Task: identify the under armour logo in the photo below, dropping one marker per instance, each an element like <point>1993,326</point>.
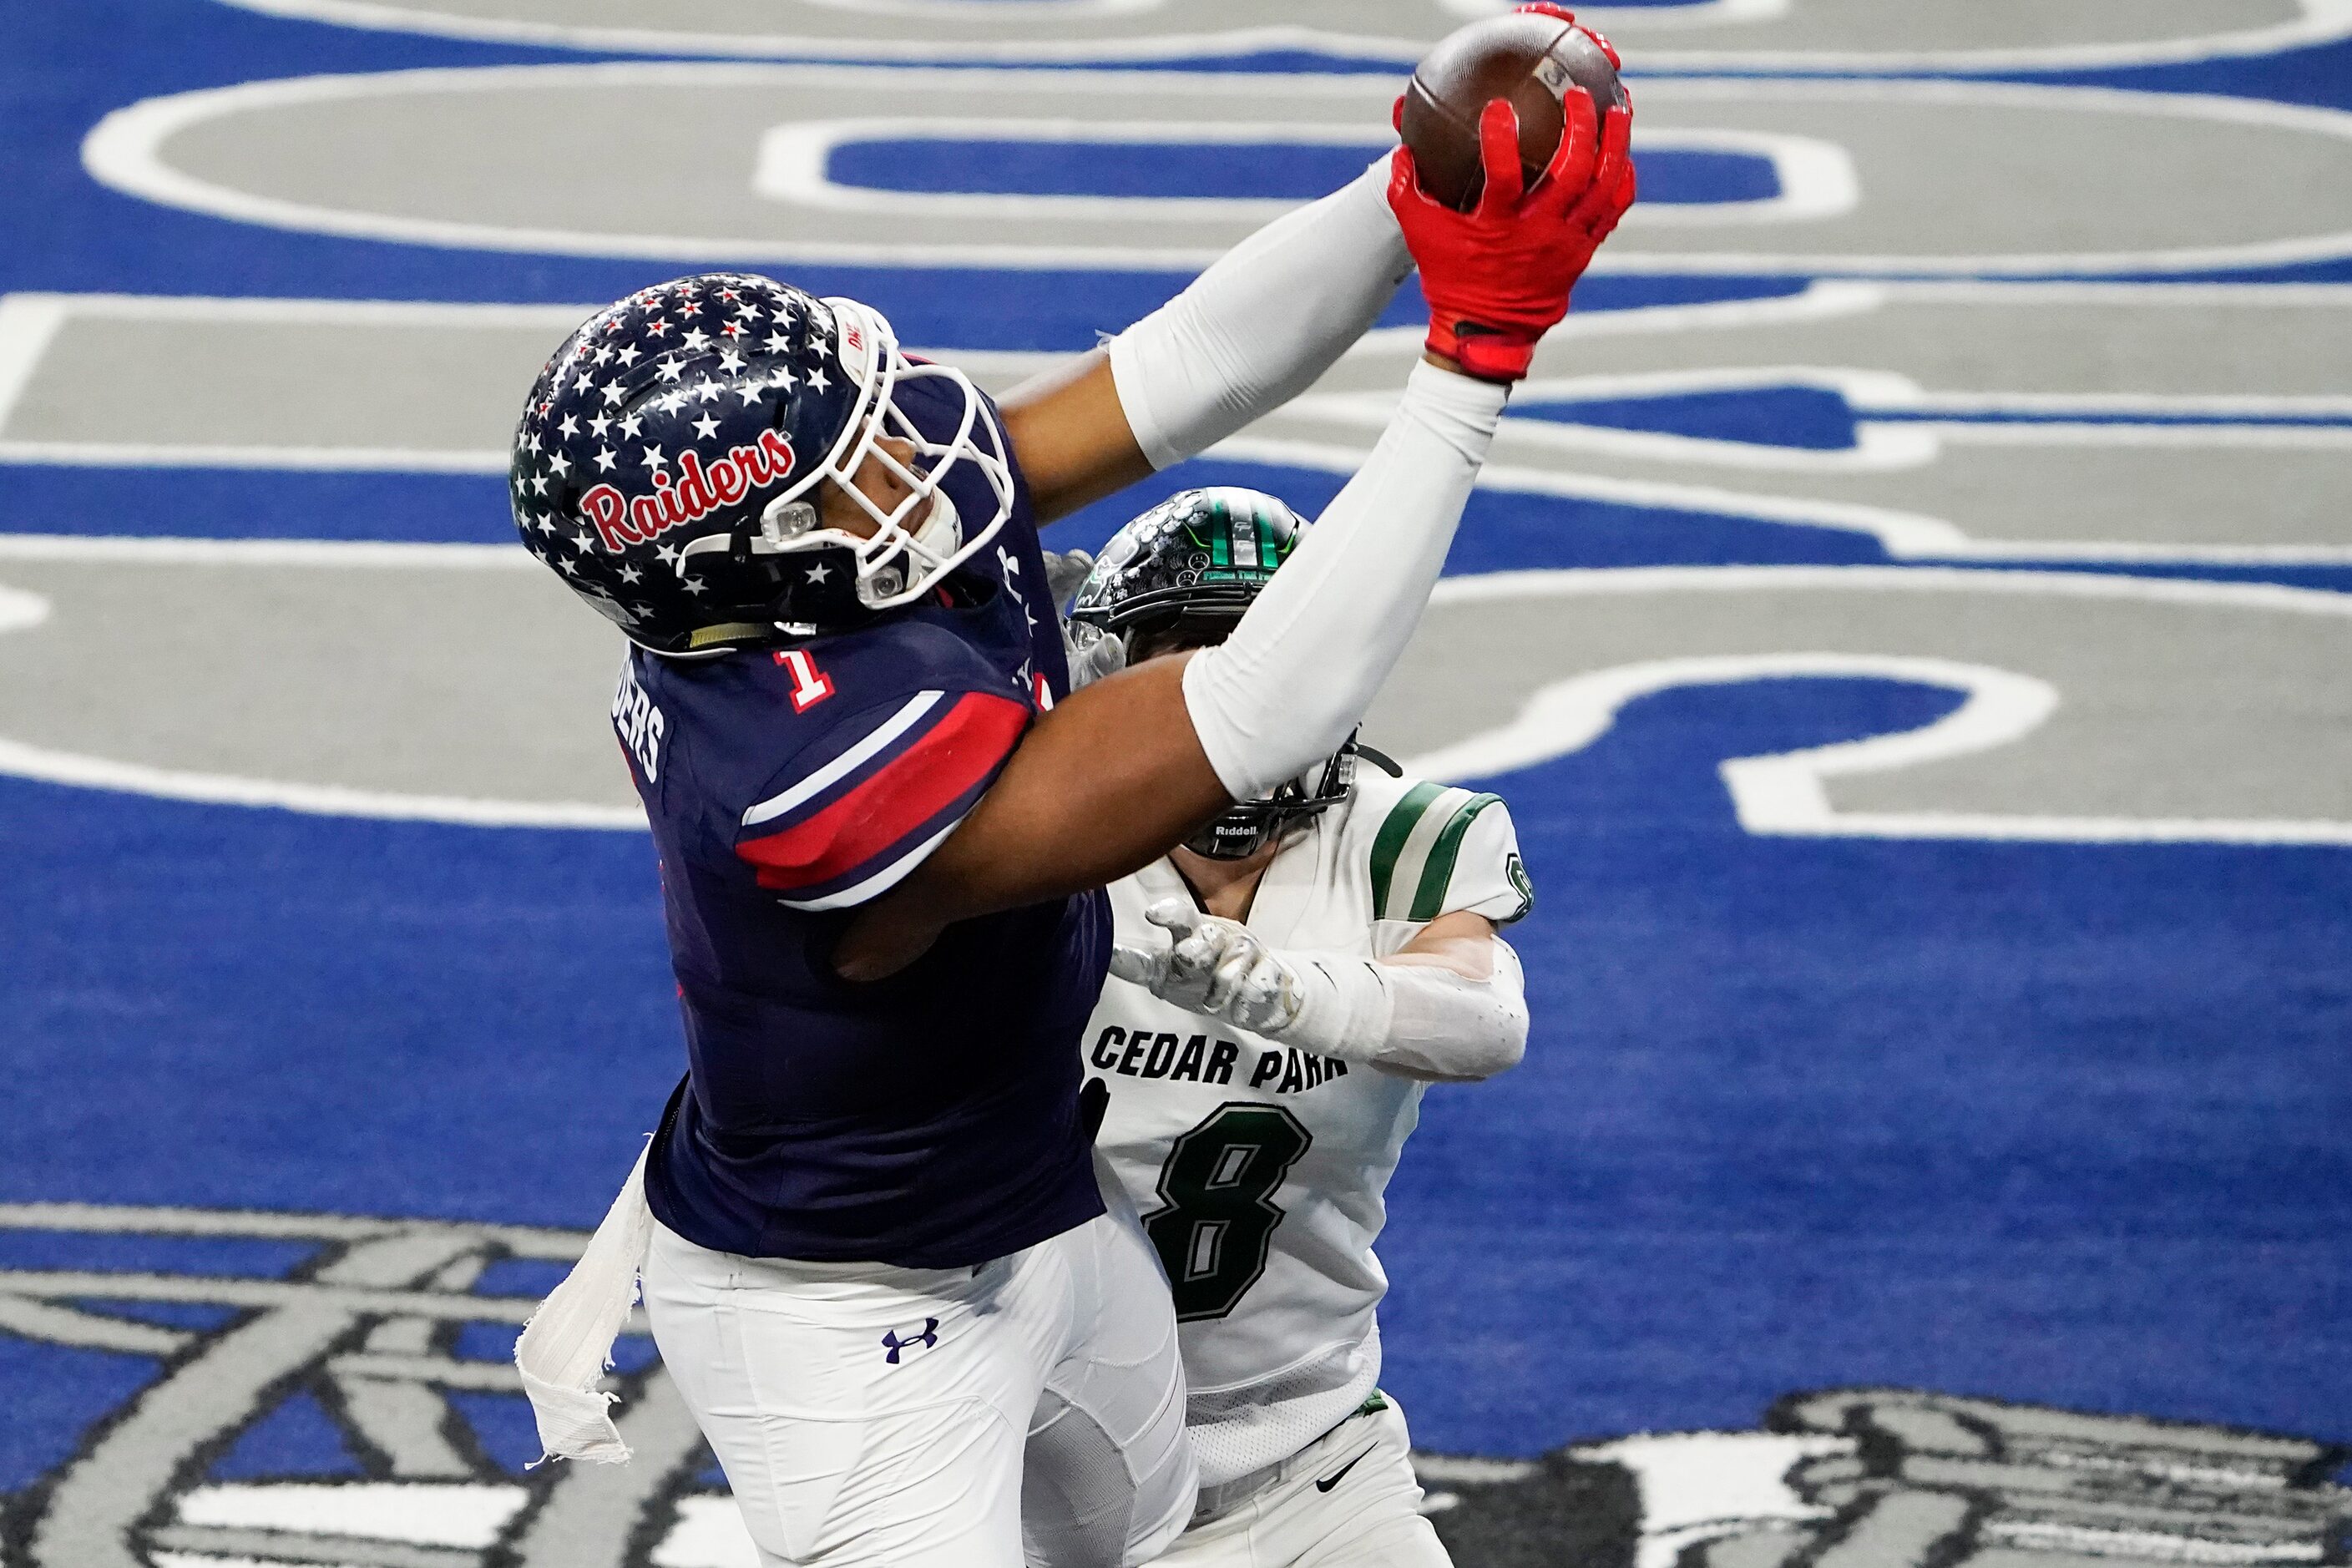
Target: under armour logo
<point>894,1344</point>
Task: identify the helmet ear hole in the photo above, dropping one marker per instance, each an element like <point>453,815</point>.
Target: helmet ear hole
<point>781,521</point>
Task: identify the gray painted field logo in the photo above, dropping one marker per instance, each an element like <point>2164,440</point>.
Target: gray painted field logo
<point>1898,1479</point>
<point>379,1323</point>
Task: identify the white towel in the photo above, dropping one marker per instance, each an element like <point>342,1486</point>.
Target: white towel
<point>567,1347</point>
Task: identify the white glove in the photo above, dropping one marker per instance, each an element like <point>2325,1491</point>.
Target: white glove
<point>1066,570</point>
<point>1092,652</point>
<point>1422,1020</point>
<point>1214,966</point>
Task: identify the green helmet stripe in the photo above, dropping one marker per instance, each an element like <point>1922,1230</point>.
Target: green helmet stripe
<point>1221,536</point>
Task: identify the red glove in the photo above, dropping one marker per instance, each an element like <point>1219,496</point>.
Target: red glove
<point>1497,279</point>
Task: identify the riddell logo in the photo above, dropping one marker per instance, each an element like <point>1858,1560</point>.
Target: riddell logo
<point>695,493</point>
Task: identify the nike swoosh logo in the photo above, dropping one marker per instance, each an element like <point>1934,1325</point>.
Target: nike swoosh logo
<point>1335,1476</point>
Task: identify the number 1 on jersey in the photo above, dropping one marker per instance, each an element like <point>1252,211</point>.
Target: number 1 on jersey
<point>811,685</point>
<point>1216,1226</point>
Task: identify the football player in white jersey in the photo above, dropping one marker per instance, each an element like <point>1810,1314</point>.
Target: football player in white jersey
<point>1284,986</point>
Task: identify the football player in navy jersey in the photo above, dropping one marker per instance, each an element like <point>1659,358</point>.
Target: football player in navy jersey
<point>876,1254</point>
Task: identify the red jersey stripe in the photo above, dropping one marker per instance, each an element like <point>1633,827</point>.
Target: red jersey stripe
<point>968,743</point>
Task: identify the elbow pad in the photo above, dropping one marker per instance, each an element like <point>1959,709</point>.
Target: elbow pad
<point>1424,1019</point>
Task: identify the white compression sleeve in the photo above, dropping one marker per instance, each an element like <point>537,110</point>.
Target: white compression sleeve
<point>1432,1021</point>
<point>1297,673</point>
<point>1256,328</point>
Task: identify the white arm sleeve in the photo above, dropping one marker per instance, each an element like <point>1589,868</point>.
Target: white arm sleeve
<point>1428,1020</point>
<point>1297,673</point>
<point>1257,328</point>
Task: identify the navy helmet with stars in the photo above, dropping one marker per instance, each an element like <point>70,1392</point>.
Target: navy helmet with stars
<point>667,461</point>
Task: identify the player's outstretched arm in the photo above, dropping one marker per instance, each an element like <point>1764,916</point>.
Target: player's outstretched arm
<point>1450,1006</point>
<point>1248,335</point>
<point>1112,778</point>
<point>1123,770</point>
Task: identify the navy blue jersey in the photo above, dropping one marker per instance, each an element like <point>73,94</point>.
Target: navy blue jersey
<point>932,1119</point>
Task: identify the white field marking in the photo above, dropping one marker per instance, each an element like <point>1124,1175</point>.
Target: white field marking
<point>1816,178</point>
<point>421,1513</point>
<point>64,1325</point>
<point>103,773</point>
<point>1697,1486</point>
<point>1059,11</point>
<point>125,151</point>
<point>1833,299</point>
<point>2321,21</point>
<point>1900,534</point>
<point>333,459</point>
<point>1566,716</point>
<point>238,1290</point>
<point>710,1533</point>
<point>529,1241</point>
<point>1613,19</point>
<point>793,159</point>
<point>1541,582</point>
<point>1877,447</point>
<point>2088,1540</point>
<point>315,800</point>
<point>2212,108</point>
<point>2061,433</point>
<point>1470,1470</point>
<point>1905,535</point>
<point>1868,390</point>
<point>1782,795</point>
<point>1823,300</point>
<point>339,553</point>
<point>1869,393</point>
<point>28,325</point>
<point>21,351</point>
<point>20,611</point>
<point>557,318</point>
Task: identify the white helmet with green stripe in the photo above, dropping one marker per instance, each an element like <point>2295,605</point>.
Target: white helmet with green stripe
<point>1182,575</point>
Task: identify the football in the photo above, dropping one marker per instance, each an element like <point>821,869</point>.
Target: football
<point>1530,57</point>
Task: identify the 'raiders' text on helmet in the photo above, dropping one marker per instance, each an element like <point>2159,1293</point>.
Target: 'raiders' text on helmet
<point>668,460</point>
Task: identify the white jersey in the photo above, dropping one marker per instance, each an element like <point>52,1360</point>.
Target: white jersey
<point>1261,1171</point>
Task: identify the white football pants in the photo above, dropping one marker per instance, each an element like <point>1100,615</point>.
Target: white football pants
<point>871,1416</point>
<point>1349,1499</point>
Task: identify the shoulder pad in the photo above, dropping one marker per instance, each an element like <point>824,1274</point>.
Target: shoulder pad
<point>1417,847</point>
